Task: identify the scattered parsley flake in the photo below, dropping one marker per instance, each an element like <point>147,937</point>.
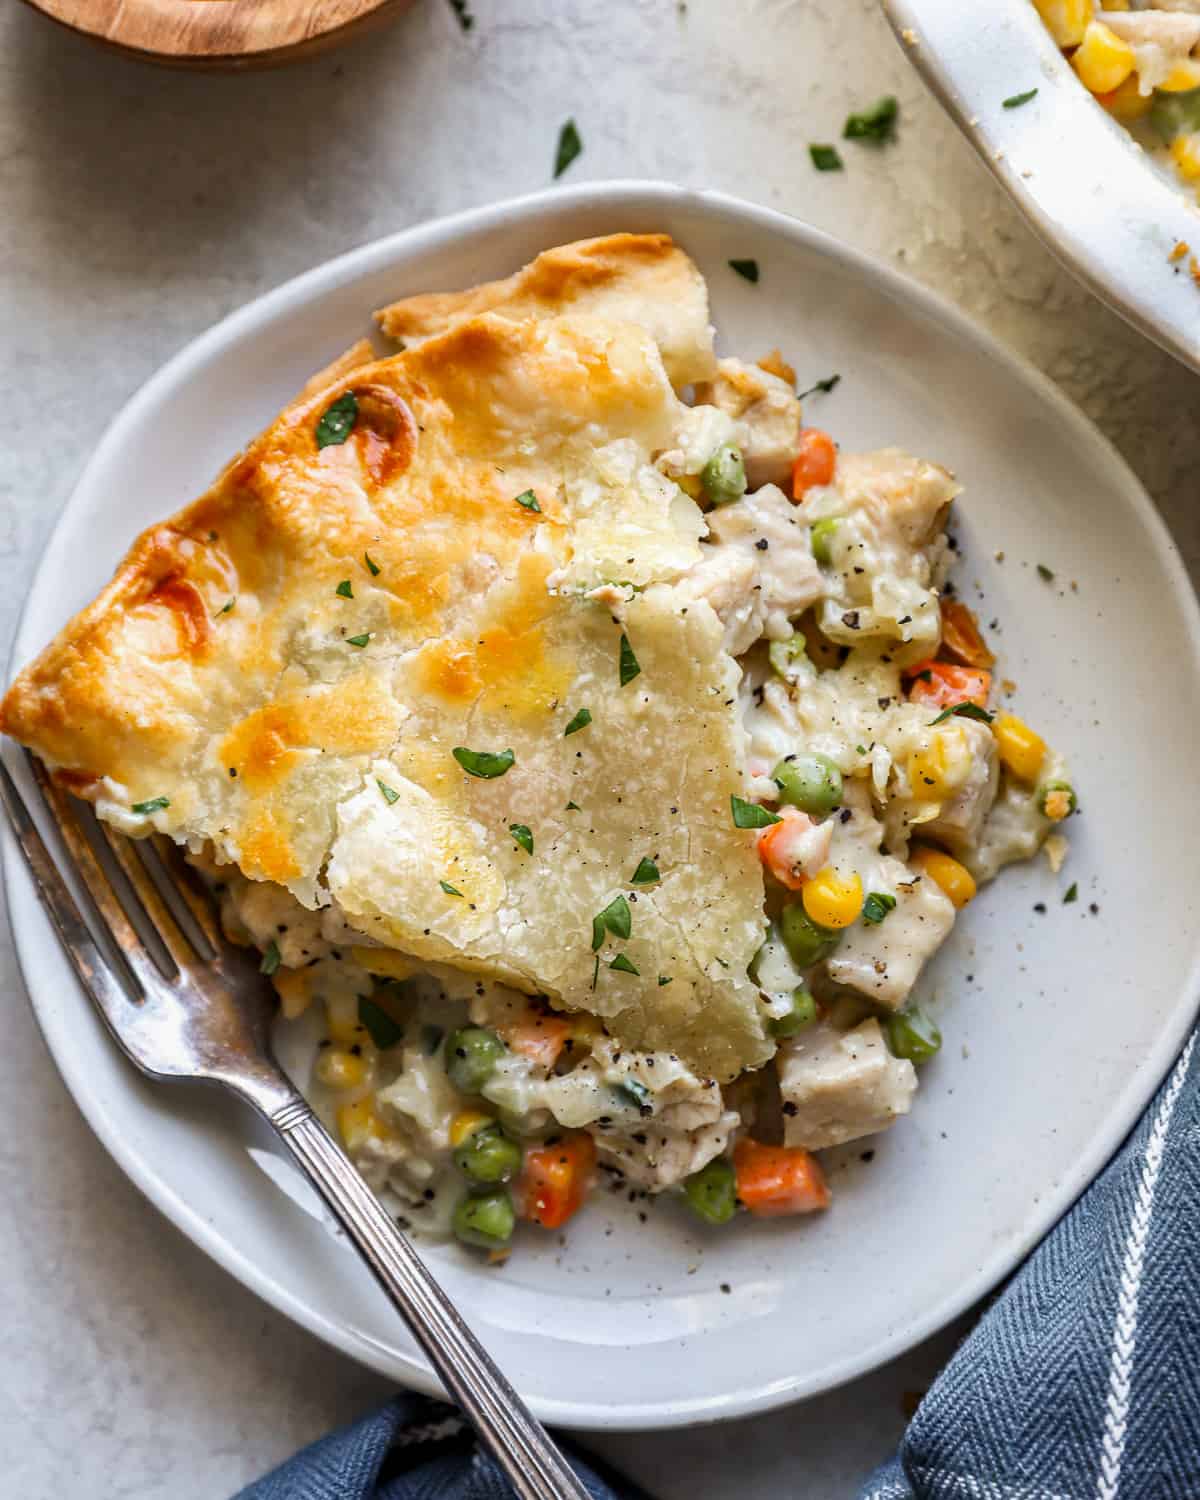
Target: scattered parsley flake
<point>964,711</point>
<point>746,269</point>
<point>635,1091</point>
<point>861,749</point>
<point>464,17</point>
<point>522,835</point>
<point>390,794</point>
<point>227,606</point>
<point>876,907</point>
<point>337,421</point>
<point>629,667</point>
<point>358,640</point>
<point>595,971</point>
<point>925,676</point>
<point>270,959</point>
<point>155,804</point>
<point>825,158</point>
<point>645,874</point>
<point>822,386</point>
<point>876,124</point>
<point>1015,101</point>
<point>569,147</point>
<point>581,721</point>
<point>624,966</point>
<point>1045,573</point>
<point>343,590</point>
<point>486,764</point>
<point>527,500</point>
<point>572,807</point>
<point>663,979</point>
<point>615,918</point>
<point>381,1028</point>
<point>1072,894</point>
<point>450,890</point>
<point>372,565</point>
<point>750,815</point>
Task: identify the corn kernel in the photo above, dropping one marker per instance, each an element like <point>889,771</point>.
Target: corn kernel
<point>940,765</point>
<point>294,989</point>
<point>1185,153</point>
<point>1127,102</point>
<point>1021,750</point>
<point>832,900</point>
<point>466,1124</point>
<point>358,1122</point>
<point>342,1018</point>
<point>338,1069</point>
<point>1103,61</point>
<point>1184,75</point>
<point>1066,20</point>
<point>384,962</point>
<point>954,879</point>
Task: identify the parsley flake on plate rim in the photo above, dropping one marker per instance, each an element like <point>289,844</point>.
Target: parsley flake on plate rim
<point>570,146</point>
<point>746,269</point>
<point>826,158</point>
<point>1015,101</point>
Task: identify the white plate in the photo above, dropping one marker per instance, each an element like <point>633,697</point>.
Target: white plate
<point>1057,1027</point>
<point>1099,203</point>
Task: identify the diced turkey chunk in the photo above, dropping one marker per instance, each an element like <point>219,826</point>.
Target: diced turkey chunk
<point>882,960</point>
<point>657,1156</point>
<point>766,418</point>
<point>961,819</point>
<point>756,589</point>
<point>838,1086</point>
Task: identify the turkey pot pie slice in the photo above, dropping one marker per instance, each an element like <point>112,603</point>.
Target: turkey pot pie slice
<point>420,560</point>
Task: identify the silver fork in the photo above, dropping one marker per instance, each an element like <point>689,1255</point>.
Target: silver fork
<point>188,1013</point>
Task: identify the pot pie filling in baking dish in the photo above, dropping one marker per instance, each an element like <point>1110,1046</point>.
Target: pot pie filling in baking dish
<point>595,754</point>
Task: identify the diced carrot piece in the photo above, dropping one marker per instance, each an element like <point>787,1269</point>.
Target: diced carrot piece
<point>777,1180</point>
<point>539,1038</point>
<point>948,685</point>
<point>961,636</point>
<point>814,463</point>
<point>556,1179</point>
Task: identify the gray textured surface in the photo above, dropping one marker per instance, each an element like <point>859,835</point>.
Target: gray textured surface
<point>135,208</point>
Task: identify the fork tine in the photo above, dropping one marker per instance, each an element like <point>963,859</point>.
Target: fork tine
<point>99,888</point>
<point>95,973</point>
<point>174,939</point>
<point>190,890</point>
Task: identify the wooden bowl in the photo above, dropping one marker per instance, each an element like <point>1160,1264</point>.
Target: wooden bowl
<point>227,34</point>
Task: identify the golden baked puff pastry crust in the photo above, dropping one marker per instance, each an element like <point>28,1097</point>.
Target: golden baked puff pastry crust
<point>291,661</point>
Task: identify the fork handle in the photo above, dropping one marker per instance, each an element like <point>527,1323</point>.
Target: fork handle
<point>519,1443</point>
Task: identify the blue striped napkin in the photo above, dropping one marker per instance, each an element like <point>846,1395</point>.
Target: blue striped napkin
<point>1081,1382</point>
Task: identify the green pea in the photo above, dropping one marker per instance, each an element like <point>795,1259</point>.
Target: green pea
<point>486,1220</point>
<point>1048,789</point>
<point>912,1034</point>
<point>724,475</point>
<point>487,1155</point>
<point>810,782</point>
<point>805,941</point>
<point>803,1013</point>
<point>785,656</point>
<point>820,536</point>
<point>471,1057</point>
<point>712,1192</point>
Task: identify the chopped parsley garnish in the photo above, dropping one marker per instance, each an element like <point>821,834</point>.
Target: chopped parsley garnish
<point>1072,894</point>
<point>581,721</point>
<point>925,676</point>
<point>1045,573</point>
<point>155,804</point>
<point>629,667</point>
<point>877,124</point>
<point>343,590</point>
<point>615,918</point>
<point>663,979</point>
<point>964,711</point>
<point>572,807</point>
<point>485,764</point>
<point>823,386</point>
<point>750,815</point>
<point>635,1091</point>
<point>746,269</point>
<point>876,907</point>
<point>270,959</point>
<point>527,500</point>
<point>381,1028</point>
<point>390,794</point>
<point>450,890</point>
<point>645,874</point>
<point>338,421</point>
<point>623,965</point>
<point>569,147</point>
<point>596,971</point>
<point>861,749</point>
<point>465,19</point>
<point>358,640</point>
<point>1015,101</point>
<point>227,606</point>
<point>522,835</point>
<point>372,565</point>
<point>825,158</point>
